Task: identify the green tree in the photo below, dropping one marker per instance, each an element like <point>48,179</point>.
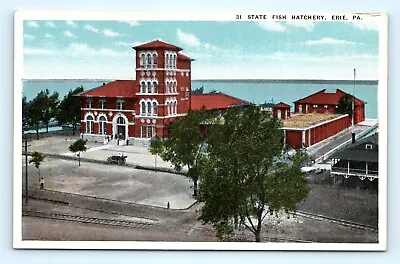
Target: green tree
<point>184,144</point>
<point>70,108</point>
<point>345,106</point>
<point>37,159</point>
<point>50,108</point>
<point>78,146</point>
<point>35,111</point>
<point>199,90</point>
<point>245,177</point>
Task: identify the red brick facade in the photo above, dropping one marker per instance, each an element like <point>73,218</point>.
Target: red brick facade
<point>323,102</point>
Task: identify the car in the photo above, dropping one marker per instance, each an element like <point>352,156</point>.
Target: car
<point>319,170</point>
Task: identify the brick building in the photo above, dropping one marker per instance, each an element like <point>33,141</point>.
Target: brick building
<point>139,109</point>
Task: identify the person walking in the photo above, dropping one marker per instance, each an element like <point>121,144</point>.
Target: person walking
<point>41,183</point>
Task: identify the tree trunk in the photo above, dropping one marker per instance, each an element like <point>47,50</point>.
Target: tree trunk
<point>47,127</point>
<point>257,235</point>
<point>37,131</point>
<point>73,129</point>
<point>194,187</point>
<point>79,158</point>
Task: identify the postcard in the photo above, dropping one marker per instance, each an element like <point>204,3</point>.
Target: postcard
<point>200,131</point>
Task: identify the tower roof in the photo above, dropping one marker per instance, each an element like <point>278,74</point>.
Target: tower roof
<point>157,44</point>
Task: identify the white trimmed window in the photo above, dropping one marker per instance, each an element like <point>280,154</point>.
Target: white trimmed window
<point>143,109</point>
<point>155,88</point>
<point>155,59</point>
<point>102,103</point>
<point>143,87</point>
<point>148,87</point>
<point>120,104</point>
<point>148,59</point>
<point>89,124</point>
<point>89,103</point>
<point>148,108</point>
<point>155,107</point>
<point>102,125</point>
<point>142,59</point>
<point>147,131</point>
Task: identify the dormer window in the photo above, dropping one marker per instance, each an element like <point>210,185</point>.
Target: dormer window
<point>368,146</point>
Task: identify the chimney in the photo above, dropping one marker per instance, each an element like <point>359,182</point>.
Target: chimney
<point>353,138</point>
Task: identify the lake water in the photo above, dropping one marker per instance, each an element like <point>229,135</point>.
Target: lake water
<point>256,91</point>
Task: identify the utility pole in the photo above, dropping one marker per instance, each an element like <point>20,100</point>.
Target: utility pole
<point>26,168</point>
<point>352,99</point>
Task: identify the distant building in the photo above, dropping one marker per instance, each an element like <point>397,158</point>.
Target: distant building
<point>268,107</point>
<point>281,111</point>
<point>324,102</point>
<point>140,109</point>
<point>360,159</point>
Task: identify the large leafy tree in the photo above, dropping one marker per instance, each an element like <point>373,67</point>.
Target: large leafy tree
<point>245,176</point>
<point>69,108</point>
<point>78,146</point>
<point>35,111</point>
<point>37,158</point>
<point>50,108</point>
<point>344,105</point>
<point>184,144</point>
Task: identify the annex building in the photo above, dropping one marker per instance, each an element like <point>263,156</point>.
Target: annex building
<point>132,110</point>
<point>314,118</point>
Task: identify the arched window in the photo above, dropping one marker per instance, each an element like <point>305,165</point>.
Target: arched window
<point>155,88</point>
<point>174,62</point>
<point>175,87</point>
<point>148,108</point>
<point>89,125</point>
<point>143,108</point>
<point>143,87</point>
<point>148,87</point>
<point>120,121</point>
<point>176,108</point>
<point>155,59</point>
<point>154,108</point>
<point>170,109</point>
<point>170,60</point>
<point>148,59</point>
<point>142,59</point>
<point>166,60</point>
<point>102,125</point>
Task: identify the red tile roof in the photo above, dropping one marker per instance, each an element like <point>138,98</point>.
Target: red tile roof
<point>281,105</point>
<point>215,101</point>
<point>184,57</point>
<point>156,44</point>
<point>322,97</point>
<point>123,88</point>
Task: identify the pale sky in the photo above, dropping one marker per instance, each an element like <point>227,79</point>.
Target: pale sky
<point>66,49</point>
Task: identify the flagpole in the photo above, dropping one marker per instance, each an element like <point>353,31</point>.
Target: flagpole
<point>352,100</point>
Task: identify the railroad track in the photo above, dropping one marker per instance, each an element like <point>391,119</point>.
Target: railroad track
<point>88,220</point>
<point>336,221</point>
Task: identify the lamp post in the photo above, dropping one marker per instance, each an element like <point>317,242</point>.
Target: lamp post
<point>25,136</point>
